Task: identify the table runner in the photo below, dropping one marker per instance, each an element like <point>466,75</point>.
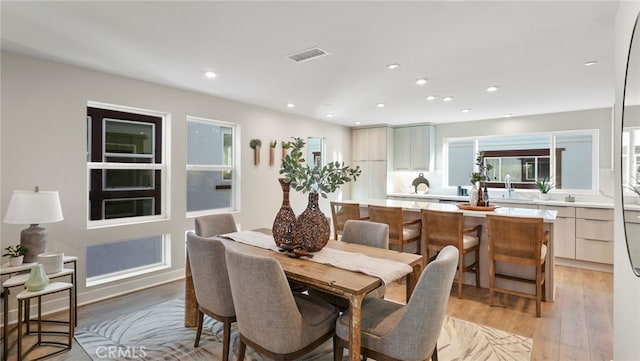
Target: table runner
<point>385,269</point>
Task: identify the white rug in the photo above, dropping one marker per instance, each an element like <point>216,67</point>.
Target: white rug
<point>158,333</point>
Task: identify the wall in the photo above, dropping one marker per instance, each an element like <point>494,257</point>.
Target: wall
<point>43,142</point>
<point>626,286</point>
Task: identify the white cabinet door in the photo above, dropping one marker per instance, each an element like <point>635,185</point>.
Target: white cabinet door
<point>360,144</point>
<point>402,148</point>
<point>360,188</point>
<point>378,179</point>
<point>564,237</point>
<point>420,144</point>
<point>378,143</point>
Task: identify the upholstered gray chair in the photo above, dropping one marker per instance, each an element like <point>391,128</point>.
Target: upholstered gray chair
<point>272,320</point>
<point>211,284</point>
<point>361,232</point>
<point>391,331</point>
<point>215,224</point>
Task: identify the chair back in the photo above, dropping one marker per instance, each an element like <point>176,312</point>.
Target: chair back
<point>515,239</point>
<point>416,334</point>
<point>341,213</point>
<point>442,228</point>
<point>209,273</point>
<point>266,309</point>
<point>366,233</point>
<point>215,224</point>
<point>391,216</point>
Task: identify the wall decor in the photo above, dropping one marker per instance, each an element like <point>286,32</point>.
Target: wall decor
<point>255,144</point>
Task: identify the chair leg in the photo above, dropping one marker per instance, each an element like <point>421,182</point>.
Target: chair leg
<point>477,267</point>
<point>460,274</point>
<point>199,329</point>
<point>538,294</point>
<point>226,340</point>
<point>434,355</point>
<point>241,349</point>
<point>338,350</point>
<point>492,280</point>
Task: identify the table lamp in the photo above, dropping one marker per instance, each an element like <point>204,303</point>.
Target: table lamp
<point>34,207</point>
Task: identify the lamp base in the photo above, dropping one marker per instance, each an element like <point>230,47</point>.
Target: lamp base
<point>34,239</point>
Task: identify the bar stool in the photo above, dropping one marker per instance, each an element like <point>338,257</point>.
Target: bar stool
<point>401,232</point>
<point>24,298</point>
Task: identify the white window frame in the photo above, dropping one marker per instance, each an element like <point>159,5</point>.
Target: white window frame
<point>234,167</point>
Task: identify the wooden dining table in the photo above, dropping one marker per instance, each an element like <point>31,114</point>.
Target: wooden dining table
<point>350,285</point>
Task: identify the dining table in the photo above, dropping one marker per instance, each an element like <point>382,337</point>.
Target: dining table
<point>349,284</point>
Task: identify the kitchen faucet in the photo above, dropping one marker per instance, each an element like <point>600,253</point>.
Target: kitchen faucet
<point>507,185</point>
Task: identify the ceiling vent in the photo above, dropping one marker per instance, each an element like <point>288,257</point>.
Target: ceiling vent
<point>308,54</point>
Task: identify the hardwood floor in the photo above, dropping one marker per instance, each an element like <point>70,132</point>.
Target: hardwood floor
<point>577,326</point>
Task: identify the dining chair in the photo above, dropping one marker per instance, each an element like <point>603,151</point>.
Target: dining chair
<point>275,322</point>
<point>441,229</point>
<point>519,240</point>
<point>391,331</point>
<point>401,232</point>
<point>341,213</point>
<point>215,224</point>
<point>211,285</point>
<point>365,233</point>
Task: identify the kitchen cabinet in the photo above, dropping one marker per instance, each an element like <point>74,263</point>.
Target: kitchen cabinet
<point>564,231</point>
<point>594,235</point>
<point>369,151</point>
<point>372,184</point>
<point>370,143</point>
<point>413,147</point>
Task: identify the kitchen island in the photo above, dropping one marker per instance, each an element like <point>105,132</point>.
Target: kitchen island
<point>472,218</point>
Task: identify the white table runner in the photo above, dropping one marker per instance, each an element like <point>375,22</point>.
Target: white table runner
<point>385,269</point>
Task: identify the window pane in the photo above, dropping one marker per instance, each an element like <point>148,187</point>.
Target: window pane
<point>128,179</point>
<point>208,190</point>
<point>209,144</point>
<point>122,208</point>
<point>515,142</point>
<point>120,256</point>
<point>574,161</point>
<point>128,139</point>
<point>461,162</point>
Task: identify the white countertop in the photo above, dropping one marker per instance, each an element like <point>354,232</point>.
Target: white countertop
<point>550,202</point>
<point>548,215</point>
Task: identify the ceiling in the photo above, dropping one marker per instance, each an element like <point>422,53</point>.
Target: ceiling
<point>534,51</point>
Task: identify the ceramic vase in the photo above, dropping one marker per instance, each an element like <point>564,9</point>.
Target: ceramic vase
<point>312,227</point>
<point>473,196</point>
<point>544,196</point>
<point>38,279</point>
<point>285,219</point>
<point>16,261</point>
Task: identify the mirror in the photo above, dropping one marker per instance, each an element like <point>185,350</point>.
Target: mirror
<point>315,151</point>
<point>630,169</point>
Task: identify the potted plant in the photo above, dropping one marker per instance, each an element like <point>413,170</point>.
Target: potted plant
<point>16,254</point>
<point>544,186</point>
<point>272,152</point>
<point>477,178</point>
<point>255,144</point>
<point>312,230</point>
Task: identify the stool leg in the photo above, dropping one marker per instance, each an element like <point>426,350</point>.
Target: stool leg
<point>27,316</point>
<point>71,318</point>
<point>39,320</point>
<point>20,304</point>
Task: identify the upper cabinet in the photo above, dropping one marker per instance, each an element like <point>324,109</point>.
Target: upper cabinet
<point>413,147</point>
<point>369,143</point>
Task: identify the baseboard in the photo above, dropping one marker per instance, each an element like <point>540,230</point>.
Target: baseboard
<point>594,266</point>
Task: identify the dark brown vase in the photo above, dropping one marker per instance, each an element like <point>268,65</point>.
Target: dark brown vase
<point>285,219</point>
<point>312,227</point>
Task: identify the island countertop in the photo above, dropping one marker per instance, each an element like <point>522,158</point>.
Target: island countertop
<point>549,216</point>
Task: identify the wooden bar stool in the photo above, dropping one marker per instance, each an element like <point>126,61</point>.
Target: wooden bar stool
<point>441,229</point>
<point>343,212</point>
<point>24,298</point>
<point>401,232</point>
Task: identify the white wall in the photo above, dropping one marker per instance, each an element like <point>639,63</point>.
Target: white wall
<point>43,141</point>
<point>626,286</point>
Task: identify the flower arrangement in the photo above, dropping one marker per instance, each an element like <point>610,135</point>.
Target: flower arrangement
<point>481,174</point>
<point>15,250</point>
<point>321,179</point>
<point>544,185</point>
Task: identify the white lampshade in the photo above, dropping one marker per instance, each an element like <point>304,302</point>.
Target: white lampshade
<point>34,207</point>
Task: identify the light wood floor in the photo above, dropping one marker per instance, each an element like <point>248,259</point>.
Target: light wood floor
<point>577,326</point>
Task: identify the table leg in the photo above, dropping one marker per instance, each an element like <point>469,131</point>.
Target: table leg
<point>5,319</point>
<point>355,318</point>
<point>190,304</point>
<point>412,280</point>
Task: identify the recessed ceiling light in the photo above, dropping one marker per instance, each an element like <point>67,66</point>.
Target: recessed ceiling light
<point>421,81</point>
<point>492,88</point>
<point>591,62</point>
<point>507,115</point>
<point>210,74</point>
<point>290,105</point>
<point>380,105</point>
<point>447,99</point>
<point>430,97</point>
<point>465,110</point>
<point>357,123</point>
<point>393,66</point>
<point>329,115</point>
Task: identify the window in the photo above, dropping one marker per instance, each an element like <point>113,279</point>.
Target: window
<point>125,162</point>
<point>568,158</point>
<point>212,176</point>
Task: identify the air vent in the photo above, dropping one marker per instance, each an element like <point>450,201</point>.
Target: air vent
<point>308,54</point>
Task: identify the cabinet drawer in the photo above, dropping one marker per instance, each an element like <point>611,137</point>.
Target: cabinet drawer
<point>565,212</point>
<point>594,251</point>
<point>594,229</point>
<point>595,213</point>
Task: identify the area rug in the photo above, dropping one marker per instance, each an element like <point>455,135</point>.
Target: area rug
<point>158,333</point>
